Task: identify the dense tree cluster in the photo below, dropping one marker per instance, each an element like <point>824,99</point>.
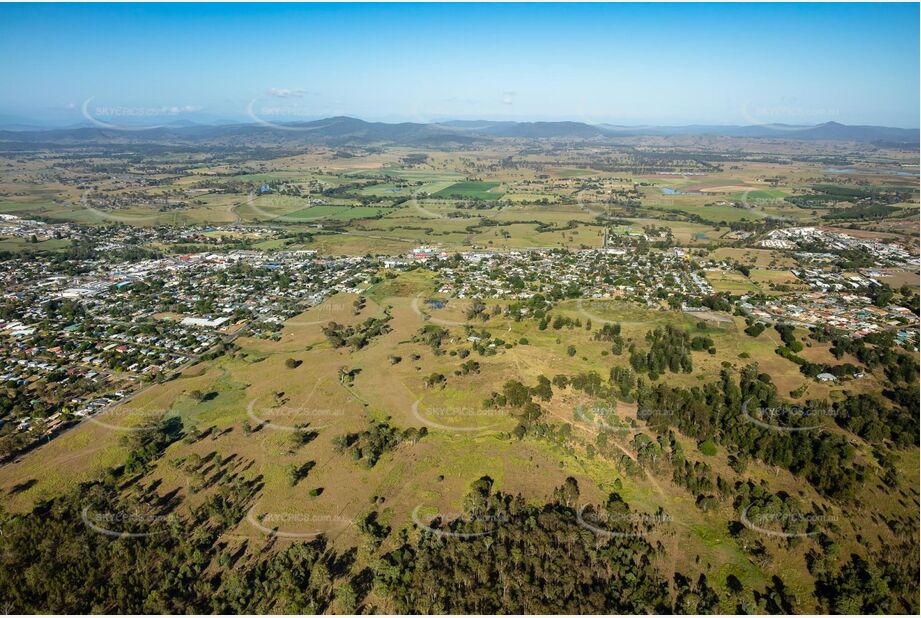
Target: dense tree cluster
<point>864,586</point>
<point>779,512</point>
<point>874,420</point>
<point>876,350</point>
<point>358,336</point>
<point>97,549</point>
<point>610,332</point>
<point>669,350</point>
<point>715,411</point>
<point>753,329</point>
<point>520,558</point>
<point>624,380</point>
<point>368,446</point>
<point>788,336</point>
<point>431,336</point>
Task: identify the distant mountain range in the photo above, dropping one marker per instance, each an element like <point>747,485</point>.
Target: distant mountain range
<point>830,131</point>
<point>343,130</point>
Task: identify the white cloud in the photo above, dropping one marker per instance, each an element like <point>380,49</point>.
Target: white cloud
<point>287,93</point>
<point>183,109</point>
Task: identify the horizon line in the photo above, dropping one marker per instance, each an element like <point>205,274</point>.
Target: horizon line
<point>187,119</point>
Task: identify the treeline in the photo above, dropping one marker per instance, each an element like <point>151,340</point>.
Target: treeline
<point>866,212</point>
<point>828,196</point>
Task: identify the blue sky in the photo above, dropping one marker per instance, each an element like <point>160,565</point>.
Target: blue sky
<point>624,63</point>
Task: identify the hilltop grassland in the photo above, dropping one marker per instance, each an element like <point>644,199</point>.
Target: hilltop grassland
<point>273,409</point>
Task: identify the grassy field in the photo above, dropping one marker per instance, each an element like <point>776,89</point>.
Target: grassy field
<point>710,212</point>
<point>765,279</point>
<point>340,213</point>
<point>15,244</point>
<point>730,281</point>
<point>755,257</point>
<point>15,208</point>
<point>471,190</point>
